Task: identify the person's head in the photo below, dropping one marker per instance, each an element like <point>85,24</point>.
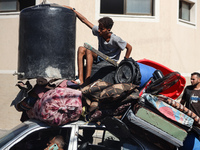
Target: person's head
<point>57,143</point>
<point>105,25</point>
<point>195,78</point>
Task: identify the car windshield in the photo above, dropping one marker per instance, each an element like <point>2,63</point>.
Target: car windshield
<point>12,133</point>
<point>94,139</point>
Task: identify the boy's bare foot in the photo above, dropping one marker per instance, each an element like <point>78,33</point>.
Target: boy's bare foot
<point>77,81</point>
<point>82,84</point>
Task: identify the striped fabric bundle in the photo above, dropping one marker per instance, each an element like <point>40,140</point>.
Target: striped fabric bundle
<point>181,108</point>
<point>168,110</point>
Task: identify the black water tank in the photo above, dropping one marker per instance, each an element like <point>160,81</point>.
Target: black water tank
<point>47,42</point>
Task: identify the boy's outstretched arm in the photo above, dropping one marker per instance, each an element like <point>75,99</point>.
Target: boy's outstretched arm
<point>81,17</point>
<point>128,50</point>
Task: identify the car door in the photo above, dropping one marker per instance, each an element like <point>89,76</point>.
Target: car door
<point>35,136</point>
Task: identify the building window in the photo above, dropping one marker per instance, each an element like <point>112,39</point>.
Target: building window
<point>15,5</point>
<point>8,5</point>
<point>184,10</point>
<point>127,7</point>
<point>187,10</point>
<point>26,3</point>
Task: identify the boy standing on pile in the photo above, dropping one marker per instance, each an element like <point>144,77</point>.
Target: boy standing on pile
<point>109,44</point>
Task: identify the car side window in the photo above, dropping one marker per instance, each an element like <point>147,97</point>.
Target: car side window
<point>39,139</point>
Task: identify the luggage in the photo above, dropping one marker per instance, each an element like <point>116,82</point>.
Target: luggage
<point>58,106</point>
<point>169,111</point>
<point>157,125</point>
<point>161,123</point>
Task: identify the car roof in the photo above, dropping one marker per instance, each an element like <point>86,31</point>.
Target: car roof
<point>34,122</point>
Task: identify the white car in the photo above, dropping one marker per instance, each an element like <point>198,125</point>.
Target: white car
<point>34,135</point>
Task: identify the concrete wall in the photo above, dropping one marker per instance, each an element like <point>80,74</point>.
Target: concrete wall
<point>8,64</point>
<point>163,39</point>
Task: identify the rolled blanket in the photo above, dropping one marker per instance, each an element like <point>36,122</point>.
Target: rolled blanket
<point>182,108</point>
<point>168,110</point>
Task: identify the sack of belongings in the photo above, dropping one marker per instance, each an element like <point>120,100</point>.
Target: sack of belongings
<point>58,106</point>
<point>104,99</point>
<point>29,92</point>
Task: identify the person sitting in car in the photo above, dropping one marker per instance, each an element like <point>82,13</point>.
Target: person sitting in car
<point>57,143</point>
